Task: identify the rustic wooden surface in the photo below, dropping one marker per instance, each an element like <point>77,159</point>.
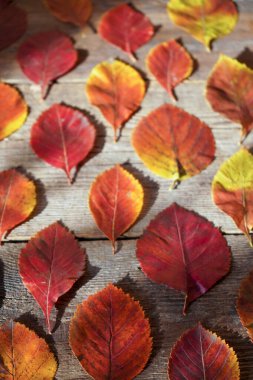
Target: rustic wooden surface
<point>58,201</point>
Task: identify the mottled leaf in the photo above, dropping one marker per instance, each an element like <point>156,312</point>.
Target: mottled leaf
<point>170,63</point>
<point>110,335</point>
<point>63,137</point>
<point>183,251</point>
<point>205,20</point>
<point>230,92</point>
<point>200,354</point>
<point>173,144</point>
<point>23,355</point>
<point>245,304</point>
<point>50,264</point>
<point>117,90</point>
<point>45,57</point>
<point>13,24</point>
<point>76,12</point>
<point>115,200</point>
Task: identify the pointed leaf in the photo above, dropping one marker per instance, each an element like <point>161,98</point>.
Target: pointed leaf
<point>13,110</point>
<point>205,20</point>
<point>23,355</point>
<point>17,200</point>
<point>245,304</point>
<point>45,57</point>
<point>232,190</point>
<point>183,251</point>
<point>50,264</point>
<point>126,28</point>
<point>115,200</point>
<point>110,335</point>
<point>76,12</point>
<point>230,92</point>
<point>173,144</point>
<point>201,354</point>
<point>13,24</point>
<point>117,90</point>
<point>170,63</point>
<point>63,137</point>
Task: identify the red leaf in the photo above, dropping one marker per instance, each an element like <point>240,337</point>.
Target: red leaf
<point>126,28</point>
<point>13,24</point>
<point>50,264</point>
<point>183,251</point>
<point>63,137</point>
<point>46,56</point>
<point>110,335</point>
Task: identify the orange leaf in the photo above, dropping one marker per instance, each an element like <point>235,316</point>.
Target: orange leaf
<point>245,304</point>
<point>13,110</point>
<point>17,199</point>
<point>117,90</point>
<point>170,63</point>
<point>110,335</point>
<point>76,12</point>
<point>173,144</point>
<point>23,355</point>
<point>115,200</point>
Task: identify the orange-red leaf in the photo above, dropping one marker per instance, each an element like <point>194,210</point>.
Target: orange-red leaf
<point>245,304</point>
<point>17,200</point>
<point>76,12</point>
<point>125,27</point>
<point>50,264</point>
<point>13,110</point>
<point>23,355</point>
<point>183,251</point>
<point>115,200</point>
<point>230,92</point>
<point>200,354</point>
<point>63,137</point>
<point>110,335</point>
<point>117,90</point>
<point>170,63</point>
<point>173,144</point>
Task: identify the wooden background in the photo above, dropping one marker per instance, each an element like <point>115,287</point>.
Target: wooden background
<point>58,201</point>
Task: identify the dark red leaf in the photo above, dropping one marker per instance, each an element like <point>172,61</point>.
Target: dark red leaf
<point>13,23</point>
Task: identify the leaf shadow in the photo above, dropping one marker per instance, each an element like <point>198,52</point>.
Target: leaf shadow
<point>246,57</point>
<point>2,288</point>
<point>83,54</point>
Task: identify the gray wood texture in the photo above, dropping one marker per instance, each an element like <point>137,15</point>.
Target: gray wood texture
<point>59,201</point>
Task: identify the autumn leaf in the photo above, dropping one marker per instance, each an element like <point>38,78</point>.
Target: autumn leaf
<point>45,57</point>
<point>17,200</point>
<point>76,12</point>
<point>117,90</point>
<point>201,354</point>
<point>170,63</point>
<point>115,200</point>
<point>230,92</point>
<point>50,264</point>
<point>13,108</point>
<point>232,190</point>
<point>173,144</point>
<point>245,304</point>
<point>23,355</point>
<point>205,20</point>
<point>126,28</point>
<point>63,137</point>
<point>110,335</point>
<point>183,251</point>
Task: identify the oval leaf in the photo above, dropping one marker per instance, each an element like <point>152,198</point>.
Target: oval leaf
<point>50,264</point>
<point>205,20</point>
<point>170,63</point>
<point>110,335</point>
<point>17,200</point>
<point>245,304</point>
<point>173,144</point>
<point>13,24</point>
<point>63,137</point>
<point>126,28</point>
<point>23,355</point>
<point>201,354</point>
<point>230,92</point>
<point>13,109</point>
<point>115,200</point>
<point>76,12</point>
<point>183,251</point>
<point>45,57</point>
<point>117,90</point>
<point>232,190</point>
